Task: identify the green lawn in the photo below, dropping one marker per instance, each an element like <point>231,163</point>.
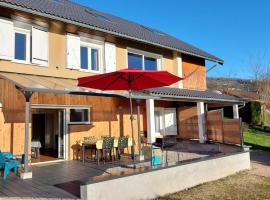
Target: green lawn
<point>257,139</point>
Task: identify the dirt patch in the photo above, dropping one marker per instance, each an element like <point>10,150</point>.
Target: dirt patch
<point>239,186</point>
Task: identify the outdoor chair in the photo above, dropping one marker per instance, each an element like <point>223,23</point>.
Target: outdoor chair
<point>122,144</point>
<point>107,146</point>
<point>7,163</point>
<point>99,146</point>
<point>89,142</point>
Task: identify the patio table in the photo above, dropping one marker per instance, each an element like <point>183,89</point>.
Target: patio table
<point>36,145</point>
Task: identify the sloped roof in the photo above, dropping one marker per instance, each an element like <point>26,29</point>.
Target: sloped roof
<point>192,94</point>
<point>77,14</point>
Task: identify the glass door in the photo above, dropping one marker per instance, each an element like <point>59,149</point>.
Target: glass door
<point>61,134</point>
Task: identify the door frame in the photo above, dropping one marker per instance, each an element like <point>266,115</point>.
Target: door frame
<point>65,125</point>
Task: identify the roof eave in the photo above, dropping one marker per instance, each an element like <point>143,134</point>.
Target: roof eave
<point>15,7</point>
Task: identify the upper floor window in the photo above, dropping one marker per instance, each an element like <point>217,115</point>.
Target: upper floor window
<point>143,60</point>
<point>22,45</point>
<point>90,57</point>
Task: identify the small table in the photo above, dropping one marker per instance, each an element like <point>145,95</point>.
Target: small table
<point>36,144</point>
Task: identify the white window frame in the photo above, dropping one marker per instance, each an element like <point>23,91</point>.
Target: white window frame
<point>146,54</point>
<point>82,108</point>
<point>100,56</point>
<point>28,43</point>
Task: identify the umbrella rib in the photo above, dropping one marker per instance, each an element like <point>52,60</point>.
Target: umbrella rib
<point>120,76</point>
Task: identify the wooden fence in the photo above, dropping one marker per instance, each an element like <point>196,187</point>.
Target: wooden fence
<point>223,130</point>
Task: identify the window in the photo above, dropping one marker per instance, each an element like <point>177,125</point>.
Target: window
<point>79,115</point>
<point>90,58</point>
<point>150,63</point>
<point>22,45</point>
<point>165,121</point>
<point>135,61</point>
<point>84,58</point>
<point>94,60</point>
<point>143,60</point>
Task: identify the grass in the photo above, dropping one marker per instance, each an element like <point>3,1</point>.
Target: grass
<point>257,139</point>
<point>239,186</point>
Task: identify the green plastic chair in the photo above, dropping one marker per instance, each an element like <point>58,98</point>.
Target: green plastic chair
<point>107,146</point>
<point>122,144</point>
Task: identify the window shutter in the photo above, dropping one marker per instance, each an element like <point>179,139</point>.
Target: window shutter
<point>73,51</point>
<point>6,39</point>
<point>110,57</point>
<point>39,46</point>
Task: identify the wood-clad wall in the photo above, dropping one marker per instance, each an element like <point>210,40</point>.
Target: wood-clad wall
<point>187,122</point>
<point>223,130</point>
<point>110,116</point>
<point>195,67</point>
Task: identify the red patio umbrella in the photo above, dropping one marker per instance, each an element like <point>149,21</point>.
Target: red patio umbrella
<point>129,79</point>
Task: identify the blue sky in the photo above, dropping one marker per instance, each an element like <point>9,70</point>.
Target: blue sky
<point>237,31</point>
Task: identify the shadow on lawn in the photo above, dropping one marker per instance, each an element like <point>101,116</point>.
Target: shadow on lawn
<point>261,157</point>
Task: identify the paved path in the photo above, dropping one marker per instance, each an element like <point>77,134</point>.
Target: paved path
<point>260,163</point>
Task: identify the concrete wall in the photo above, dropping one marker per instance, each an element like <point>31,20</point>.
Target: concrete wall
<point>164,181</point>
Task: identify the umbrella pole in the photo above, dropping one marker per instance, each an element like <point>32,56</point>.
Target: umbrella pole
<point>131,122</point>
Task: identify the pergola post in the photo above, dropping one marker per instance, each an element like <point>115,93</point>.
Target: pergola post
<point>26,174</point>
<point>150,111</point>
<point>235,111</point>
<point>138,101</point>
<point>201,121</point>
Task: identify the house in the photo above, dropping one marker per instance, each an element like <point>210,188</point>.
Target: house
<point>46,45</point>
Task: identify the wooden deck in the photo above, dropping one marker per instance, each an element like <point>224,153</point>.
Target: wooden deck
<point>53,180</point>
<point>62,180</point>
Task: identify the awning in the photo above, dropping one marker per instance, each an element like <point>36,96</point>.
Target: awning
<point>45,84</point>
<point>192,95</point>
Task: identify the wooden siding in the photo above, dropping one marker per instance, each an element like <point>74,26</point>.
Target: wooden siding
<point>110,116</point>
<point>196,66</point>
<point>223,130</point>
<point>187,122</point>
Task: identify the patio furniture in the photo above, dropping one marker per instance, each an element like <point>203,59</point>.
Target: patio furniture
<point>35,148</point>
<point>129,79</point>
<point>166,141</point>
<point>88,143</point>
<point>99,145</point>
<point>107,146</point>
<point>8,164</point>
<point>122,144</point>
